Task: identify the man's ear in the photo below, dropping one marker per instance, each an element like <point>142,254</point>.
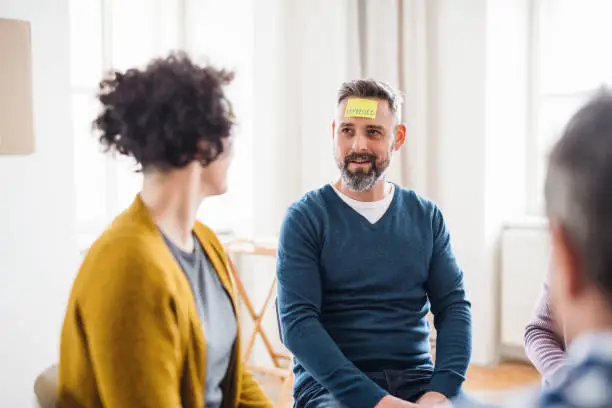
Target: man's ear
<point>400,136</point>
<point>333,129</point>
<point>566,261</point>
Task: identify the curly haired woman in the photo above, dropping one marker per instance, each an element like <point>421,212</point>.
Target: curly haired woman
<point>151,319</point>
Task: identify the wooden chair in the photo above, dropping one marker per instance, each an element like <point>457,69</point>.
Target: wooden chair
<point>281,360</point>
<point>432,336</point>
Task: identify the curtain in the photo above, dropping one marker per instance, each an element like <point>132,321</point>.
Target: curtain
<point>304,50</point>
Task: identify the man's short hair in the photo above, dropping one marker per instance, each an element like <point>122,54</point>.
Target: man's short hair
<point>578,187</point>
<point>372,88</point>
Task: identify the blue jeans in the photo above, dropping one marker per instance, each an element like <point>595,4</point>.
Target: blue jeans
<point>408,385</point>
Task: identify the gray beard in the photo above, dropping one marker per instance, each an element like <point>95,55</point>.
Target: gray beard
<point>359,181</point>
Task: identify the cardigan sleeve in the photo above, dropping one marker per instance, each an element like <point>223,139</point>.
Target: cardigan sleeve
<point>132,333</point>
<point>251,395</point>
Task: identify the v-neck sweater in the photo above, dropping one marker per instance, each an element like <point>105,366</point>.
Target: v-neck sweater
<point>353,295</point>
<point>371,210</point>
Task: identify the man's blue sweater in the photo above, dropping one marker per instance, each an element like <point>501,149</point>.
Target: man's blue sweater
<point>353,296</point>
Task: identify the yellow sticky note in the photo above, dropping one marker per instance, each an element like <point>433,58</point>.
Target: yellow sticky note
<point>361,108</point>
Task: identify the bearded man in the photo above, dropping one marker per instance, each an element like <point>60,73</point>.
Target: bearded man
<point>361,262</point>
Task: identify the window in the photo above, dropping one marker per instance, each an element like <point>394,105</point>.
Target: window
<point>222,32</point>
<point>106,34</point>
<point>570,60</point>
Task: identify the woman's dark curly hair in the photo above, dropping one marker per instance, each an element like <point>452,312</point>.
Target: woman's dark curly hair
<point>166,116</point>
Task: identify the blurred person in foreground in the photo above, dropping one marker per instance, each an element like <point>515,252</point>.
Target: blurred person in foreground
<point>578,193</point>
<point>151,320</point>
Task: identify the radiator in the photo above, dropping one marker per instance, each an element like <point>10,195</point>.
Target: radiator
<point>525,257</point>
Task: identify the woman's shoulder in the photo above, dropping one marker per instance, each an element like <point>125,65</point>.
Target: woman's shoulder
<point>206,235</point>
<point>131,257</point>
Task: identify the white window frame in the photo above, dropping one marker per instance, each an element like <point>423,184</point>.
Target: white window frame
<point>537,97</point>
<point>531,182</point>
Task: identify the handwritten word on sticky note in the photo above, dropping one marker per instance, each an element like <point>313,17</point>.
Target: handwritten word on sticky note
<point>361,108</point>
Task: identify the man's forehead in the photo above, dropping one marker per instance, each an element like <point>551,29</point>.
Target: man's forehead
<point>357,113</point>
<point>361,108</point>
<point>364,108</point>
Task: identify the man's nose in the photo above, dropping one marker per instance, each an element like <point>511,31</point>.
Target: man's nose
<point>360,142</point>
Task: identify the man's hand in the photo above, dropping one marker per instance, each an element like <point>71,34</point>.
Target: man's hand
<point>432,399</point>
<point>390,401</point>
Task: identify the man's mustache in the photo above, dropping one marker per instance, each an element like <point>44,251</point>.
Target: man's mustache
<point>367,157</point>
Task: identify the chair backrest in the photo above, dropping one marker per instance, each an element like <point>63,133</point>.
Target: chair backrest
<point>45,388</point>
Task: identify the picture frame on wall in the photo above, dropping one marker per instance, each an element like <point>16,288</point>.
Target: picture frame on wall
<point>16,101</point>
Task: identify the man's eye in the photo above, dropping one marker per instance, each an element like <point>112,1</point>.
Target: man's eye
<point>345,130</point>
<point>373,132</point>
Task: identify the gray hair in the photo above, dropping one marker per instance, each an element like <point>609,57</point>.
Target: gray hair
<point>372,88</point>
<point>578,187</point>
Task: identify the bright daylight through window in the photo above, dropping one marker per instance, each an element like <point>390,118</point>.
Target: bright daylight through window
<point>107,35</point>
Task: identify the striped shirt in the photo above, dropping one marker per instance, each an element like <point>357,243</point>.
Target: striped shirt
<point>544,347</point>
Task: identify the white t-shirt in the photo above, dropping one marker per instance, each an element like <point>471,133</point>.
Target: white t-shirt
<point>370,210</point>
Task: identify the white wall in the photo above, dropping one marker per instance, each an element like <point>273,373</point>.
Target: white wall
<point>479,109</point>
<point>525,265</point>
<point>38,253</point>
<point>459,111</point>
<point>506,129</point>
<point>274,86</point>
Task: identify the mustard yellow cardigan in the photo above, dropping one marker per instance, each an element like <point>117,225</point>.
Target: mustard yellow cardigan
<point>132,336</point>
